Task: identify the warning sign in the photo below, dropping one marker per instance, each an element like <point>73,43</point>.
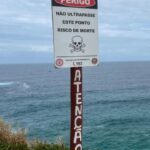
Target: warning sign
<point>75,27</point>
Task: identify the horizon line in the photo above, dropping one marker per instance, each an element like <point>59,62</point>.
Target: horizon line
<point>36,63</point>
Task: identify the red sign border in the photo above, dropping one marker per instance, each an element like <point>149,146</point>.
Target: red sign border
<point>77,6</point>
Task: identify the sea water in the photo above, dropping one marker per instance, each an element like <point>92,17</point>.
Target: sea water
<point>116,103</point>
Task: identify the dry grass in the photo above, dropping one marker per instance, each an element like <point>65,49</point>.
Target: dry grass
<point>9,137</point>
<point>10,140</point>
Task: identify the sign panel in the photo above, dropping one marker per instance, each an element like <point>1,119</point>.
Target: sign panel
<point>75,27</point>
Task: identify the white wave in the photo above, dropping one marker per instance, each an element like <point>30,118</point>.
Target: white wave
<point>6,83</point>
<point>26,86</point>
<point>17,85</point>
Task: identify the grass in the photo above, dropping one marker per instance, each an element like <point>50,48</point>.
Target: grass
<point>10,140</point>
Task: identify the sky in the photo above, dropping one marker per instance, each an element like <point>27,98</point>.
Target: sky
<point>26,31</point>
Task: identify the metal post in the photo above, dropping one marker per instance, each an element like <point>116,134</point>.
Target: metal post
<point>76,109</point>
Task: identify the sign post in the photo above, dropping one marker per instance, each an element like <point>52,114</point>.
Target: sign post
<point>76,109</point>
<point>75,30</point>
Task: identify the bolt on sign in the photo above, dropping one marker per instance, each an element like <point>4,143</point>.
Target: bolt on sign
<point>75,28</point>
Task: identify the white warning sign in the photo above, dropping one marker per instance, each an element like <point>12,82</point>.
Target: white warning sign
<point>75,28</point>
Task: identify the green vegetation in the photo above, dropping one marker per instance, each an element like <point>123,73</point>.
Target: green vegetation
<point>10,140</point>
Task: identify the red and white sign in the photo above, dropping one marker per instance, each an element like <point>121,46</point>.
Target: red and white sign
<point>75,27</point>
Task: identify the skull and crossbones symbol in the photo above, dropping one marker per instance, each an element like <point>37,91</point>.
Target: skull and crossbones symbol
<point>77,44</point>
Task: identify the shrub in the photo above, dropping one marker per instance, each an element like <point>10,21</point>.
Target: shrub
<point>17,140</point>
<point>10,140</point>
<point>47,146</point>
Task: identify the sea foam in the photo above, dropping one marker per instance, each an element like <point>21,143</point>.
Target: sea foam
<point>6,83</point>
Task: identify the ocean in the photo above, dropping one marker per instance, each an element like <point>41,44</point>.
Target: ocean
<point>116,103</point>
